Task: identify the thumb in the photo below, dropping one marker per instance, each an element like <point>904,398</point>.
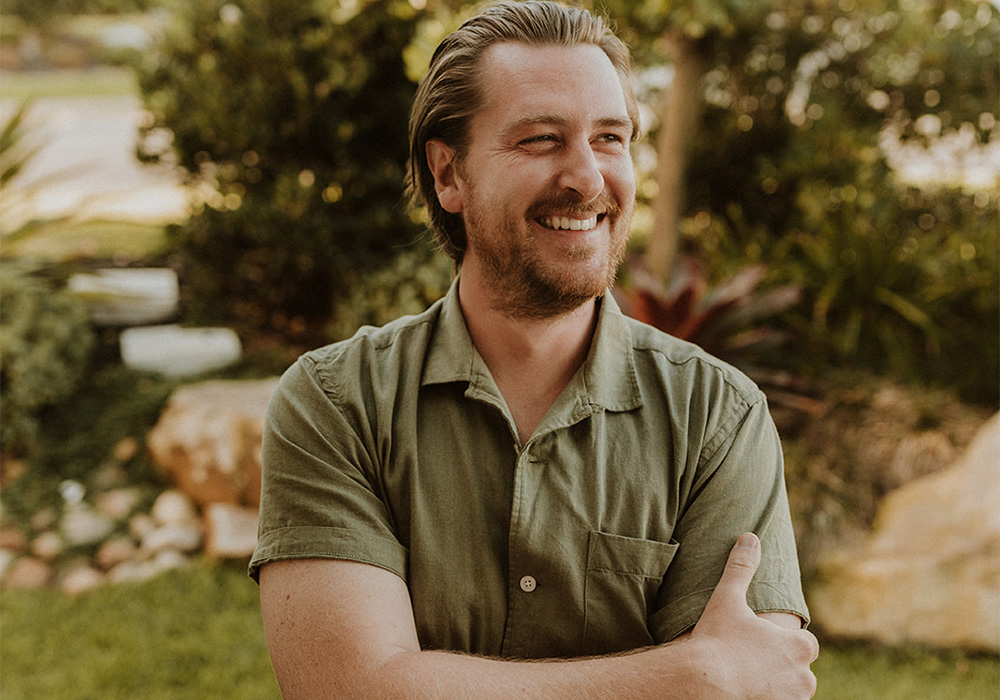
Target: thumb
<point>740,568</point>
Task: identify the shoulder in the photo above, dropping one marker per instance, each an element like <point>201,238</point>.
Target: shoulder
<point>683,365</point>
<point>372,352</point>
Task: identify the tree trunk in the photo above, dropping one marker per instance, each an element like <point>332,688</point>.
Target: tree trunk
<point>679,116</point>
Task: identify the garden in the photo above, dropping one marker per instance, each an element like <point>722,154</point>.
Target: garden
<point>818,205</point>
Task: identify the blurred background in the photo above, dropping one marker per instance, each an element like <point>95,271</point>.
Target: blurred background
<point>193,192</point>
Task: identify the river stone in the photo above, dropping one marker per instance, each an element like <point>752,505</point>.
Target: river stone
<point>230,531</point>
<point>81,525</point>
<point>27,572</point>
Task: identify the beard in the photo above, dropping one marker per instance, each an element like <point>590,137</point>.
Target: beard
<point>525,282</point>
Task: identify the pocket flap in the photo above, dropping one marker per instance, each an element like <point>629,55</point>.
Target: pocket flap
<point>629,555</point>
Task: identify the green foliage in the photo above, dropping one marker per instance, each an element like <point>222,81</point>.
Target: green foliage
<point>45,349</point>
<point>415,279</point>
<point>40,13</point>
<point>293,115</point>
<point>810,113</point>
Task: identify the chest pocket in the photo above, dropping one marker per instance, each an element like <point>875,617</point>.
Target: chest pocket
<point>623,576</point>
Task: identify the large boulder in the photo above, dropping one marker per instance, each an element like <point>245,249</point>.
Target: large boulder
<point>929,572</point>
<point>208,440</point>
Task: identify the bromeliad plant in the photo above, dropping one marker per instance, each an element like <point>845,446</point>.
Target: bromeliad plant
<point>725,320</point>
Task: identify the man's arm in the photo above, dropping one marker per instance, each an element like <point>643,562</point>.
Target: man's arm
<point>340,629</point>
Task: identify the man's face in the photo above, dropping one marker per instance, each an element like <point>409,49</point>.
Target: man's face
<point>546,185</point>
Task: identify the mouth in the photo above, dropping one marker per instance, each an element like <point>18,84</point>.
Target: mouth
<point>566,223</point>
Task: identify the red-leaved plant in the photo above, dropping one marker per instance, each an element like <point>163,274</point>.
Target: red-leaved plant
<point>725,320</point>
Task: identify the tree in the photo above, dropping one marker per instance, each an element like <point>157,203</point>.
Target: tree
<point>291,115</point>
<point>789,161</point>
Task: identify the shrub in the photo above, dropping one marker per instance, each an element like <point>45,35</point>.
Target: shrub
<point>415,279</point>
<point>294,115</point>
<point>45,347</point>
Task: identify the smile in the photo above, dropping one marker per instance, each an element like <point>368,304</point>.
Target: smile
<point>564,223</point>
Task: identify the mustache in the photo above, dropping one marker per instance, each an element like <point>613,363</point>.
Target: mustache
<point>567,204</point>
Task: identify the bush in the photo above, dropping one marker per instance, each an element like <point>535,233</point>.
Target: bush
<point>416,279</point>
<point>45,348</point>
<point>795,167</point>
<point>294,114</point>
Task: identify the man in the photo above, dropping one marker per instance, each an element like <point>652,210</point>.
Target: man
<point>521,472</point>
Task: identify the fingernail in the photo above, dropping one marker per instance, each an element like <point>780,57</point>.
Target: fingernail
<point>747,541</point>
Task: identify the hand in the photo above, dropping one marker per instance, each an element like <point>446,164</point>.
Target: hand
<point>749,657</point>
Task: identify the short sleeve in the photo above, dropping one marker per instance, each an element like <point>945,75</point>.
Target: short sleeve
<point>318,498</point>
<point>740,487</point>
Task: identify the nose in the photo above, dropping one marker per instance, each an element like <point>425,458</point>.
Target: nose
<point>581,172</point>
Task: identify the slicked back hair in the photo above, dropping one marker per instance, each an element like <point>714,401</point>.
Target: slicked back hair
<point>451,91</point>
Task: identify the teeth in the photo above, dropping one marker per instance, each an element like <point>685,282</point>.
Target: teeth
<point>568,224</point>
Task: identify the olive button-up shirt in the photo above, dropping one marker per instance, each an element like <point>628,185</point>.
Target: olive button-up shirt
<point>606,531</point>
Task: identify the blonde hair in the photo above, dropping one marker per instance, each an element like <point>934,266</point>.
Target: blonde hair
<point>451,92</point>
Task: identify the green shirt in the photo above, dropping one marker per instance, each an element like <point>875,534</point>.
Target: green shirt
<point>606,531</point>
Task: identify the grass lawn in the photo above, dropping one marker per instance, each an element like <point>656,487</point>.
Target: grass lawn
<point>91,239</point>
<point>107,81</point>
<point>197,634</point>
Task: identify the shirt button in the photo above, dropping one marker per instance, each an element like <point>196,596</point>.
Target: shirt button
<point>528,583</point>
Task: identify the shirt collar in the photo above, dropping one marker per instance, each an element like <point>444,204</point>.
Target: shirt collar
<point>608,379</point>
<point>452,356</point>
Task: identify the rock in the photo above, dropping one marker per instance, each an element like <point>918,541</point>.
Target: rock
<point>173,508</point>
<point>140,525</point>
<point>14,539</point>
<point>7,557</point>
<point>128,297</point>
<point>125,449</point>
<point>918,455</point>
<point>118,503</point>
<point>80,525</point>
<point>184,538</point>
<point>177,352</point>
<point>168,559</point>
<point>108,477</point>
<point>28,572</point>
<point>132,570</point>
<point>115,551</point>
<point>47,546</point>
<point>230,531</point>
<point>208,440</point>
<point>929,573</point>
<point>44,519</point>
<point>80,578</point>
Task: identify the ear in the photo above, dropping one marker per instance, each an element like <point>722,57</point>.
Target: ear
<point>441,161</point>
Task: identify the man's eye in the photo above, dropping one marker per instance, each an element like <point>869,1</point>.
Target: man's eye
<point>540,138</point>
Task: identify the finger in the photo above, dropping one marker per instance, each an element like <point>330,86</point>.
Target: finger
<point>740,567</point>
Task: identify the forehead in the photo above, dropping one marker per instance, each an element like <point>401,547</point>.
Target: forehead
<point>575,83</point>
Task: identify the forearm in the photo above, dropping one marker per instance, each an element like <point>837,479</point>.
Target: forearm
<point>361,643</point>
<point>678,670</point>
<point>666,672</point>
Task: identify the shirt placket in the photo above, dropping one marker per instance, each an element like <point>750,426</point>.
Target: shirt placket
<point>526,578</point>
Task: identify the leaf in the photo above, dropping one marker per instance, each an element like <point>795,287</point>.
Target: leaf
<point>906,308</point>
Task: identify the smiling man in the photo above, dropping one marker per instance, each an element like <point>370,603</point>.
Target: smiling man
<point>521,472</point>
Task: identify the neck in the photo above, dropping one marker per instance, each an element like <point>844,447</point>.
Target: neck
<point>532,360</point>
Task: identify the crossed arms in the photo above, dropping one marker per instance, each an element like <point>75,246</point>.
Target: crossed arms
<point>340,629</point>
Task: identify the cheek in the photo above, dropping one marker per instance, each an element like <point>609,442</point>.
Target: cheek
<point>624,179</point>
